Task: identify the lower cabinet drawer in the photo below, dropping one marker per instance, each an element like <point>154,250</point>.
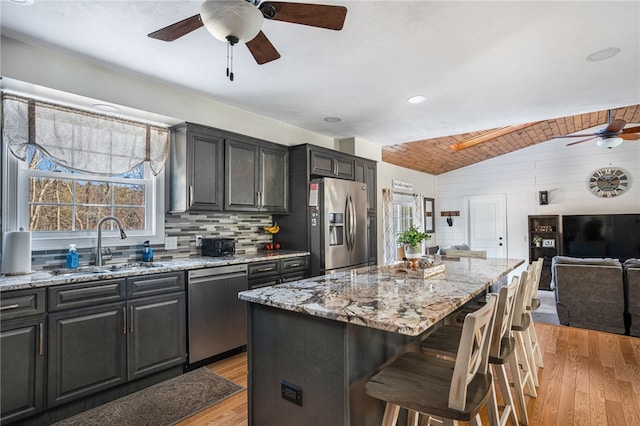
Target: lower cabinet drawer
<point>69,296</point>
<point>294,264</point>
<point>263,269</point>
<point>22,303</point>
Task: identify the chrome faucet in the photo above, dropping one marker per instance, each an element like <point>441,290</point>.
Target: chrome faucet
<point>122,235</point>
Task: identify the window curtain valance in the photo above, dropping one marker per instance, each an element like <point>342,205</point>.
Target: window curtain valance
<point>81,140</point>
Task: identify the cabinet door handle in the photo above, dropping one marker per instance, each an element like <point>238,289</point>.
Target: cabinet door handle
<point>266,269</point>
<point>124,320</point>
<point>293,265</point>
<point>41,339</point>
<point>4,308</point>
<point>131,319</point>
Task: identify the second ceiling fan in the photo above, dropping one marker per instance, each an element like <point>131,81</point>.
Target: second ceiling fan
<point>611,136</point>
<point>240,21</point>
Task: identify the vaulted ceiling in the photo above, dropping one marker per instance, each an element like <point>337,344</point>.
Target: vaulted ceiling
<point>436,156</point>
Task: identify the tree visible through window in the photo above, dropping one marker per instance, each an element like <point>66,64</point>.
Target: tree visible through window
<point>64,200</point>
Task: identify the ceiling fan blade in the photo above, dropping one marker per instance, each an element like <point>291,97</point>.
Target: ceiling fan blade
<point>177,30</point>
<point>631,130</point>
<point>584,140</point>
<point>615,126</point>
<point>262,49</point>
<point>314,15</point>
<point>630,136</point>
<point>575,136</point>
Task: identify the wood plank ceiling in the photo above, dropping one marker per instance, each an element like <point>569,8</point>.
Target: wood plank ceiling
<point>435,156</point>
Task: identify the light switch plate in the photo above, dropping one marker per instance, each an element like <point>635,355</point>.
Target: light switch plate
<point>170,243</point>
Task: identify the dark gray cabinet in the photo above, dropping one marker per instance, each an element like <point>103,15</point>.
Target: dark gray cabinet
<point>196,167</point>
<point>271,272</point>
<point>106,333</point>
<point>307,162</point>
<point>328,163</point>
<point>366,171</point>
<point>156,337</point>
<point>372,229</point>
<point>22,357</point>
<point>256,176</point>
<point>87,352</point>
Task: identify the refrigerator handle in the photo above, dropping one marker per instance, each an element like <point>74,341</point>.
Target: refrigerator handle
<point>352,223</point>
<point>347,213</point>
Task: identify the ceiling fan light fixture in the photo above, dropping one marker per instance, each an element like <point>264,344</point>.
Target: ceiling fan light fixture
<point>236,18</point>
<point>609,142</point>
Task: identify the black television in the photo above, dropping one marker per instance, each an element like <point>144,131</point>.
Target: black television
<point>601,235</point>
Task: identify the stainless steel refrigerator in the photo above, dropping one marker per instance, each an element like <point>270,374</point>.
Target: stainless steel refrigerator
<point>338,225</point>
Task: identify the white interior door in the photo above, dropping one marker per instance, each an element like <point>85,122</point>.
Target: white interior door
<point>487,223</point>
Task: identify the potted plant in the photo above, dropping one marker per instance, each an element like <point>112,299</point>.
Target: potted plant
<point>537,240</point>
<point>411,239</point>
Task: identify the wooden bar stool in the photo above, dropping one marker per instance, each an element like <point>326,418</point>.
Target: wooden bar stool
<point>533,304</point>
<point>520,331</point>
<point>444,343</point>
<point>443,389</point>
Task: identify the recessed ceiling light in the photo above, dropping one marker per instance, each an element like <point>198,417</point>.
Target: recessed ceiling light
<point>332,119</point>
<point>419,99</point>
<point>23,2</point>
<point>106,107</point>
<point>603,54</point>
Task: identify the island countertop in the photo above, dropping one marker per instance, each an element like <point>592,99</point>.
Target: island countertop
<point>375,298</point>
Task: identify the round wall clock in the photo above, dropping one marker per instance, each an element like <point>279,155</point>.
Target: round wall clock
<point>608,182</point>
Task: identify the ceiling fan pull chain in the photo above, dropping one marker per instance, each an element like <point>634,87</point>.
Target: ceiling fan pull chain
<point>228,47</point>
<point>231,40</point>
<point>231,66</point>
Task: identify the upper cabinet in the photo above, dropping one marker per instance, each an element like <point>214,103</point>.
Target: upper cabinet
<point>365,171</point>
<point>256,176</point>
<point>215,170</point>
<point>196,168</point>
<point>328,163</point>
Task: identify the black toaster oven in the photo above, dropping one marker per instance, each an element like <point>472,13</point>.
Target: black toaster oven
<point>217,247</point>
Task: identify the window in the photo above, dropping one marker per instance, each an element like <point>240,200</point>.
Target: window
<point>43,147</point>
<point>62,206</point>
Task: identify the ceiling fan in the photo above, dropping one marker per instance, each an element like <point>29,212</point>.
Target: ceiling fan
<point>611,136</point>
<point>240,21</point>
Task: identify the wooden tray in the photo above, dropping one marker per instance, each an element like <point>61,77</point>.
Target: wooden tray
<point>401,269</point>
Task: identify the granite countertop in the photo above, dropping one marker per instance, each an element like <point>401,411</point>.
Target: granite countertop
<point>374,297</point>
<point>45,279</point>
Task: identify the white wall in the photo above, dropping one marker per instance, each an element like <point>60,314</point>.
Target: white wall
<point>67,73</point>
<point>551,166</point>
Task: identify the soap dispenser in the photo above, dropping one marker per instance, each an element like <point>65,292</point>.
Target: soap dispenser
<point>147,252</point>
<point>73,258</point>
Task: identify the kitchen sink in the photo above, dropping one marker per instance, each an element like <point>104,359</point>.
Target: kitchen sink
<point>91,269</point>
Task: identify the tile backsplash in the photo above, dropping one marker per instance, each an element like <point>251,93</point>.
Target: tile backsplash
<point>245,228</point>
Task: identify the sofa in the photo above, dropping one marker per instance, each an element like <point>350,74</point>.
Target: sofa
<point>590,293</point>
<point>631,268</point>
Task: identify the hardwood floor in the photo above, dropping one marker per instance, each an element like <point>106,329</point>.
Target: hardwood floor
<point>589,378</point>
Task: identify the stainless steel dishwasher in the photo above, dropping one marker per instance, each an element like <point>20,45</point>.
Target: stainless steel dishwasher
<point>217,318</point>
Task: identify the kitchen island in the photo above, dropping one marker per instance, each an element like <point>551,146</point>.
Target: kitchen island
<point>314,343</point>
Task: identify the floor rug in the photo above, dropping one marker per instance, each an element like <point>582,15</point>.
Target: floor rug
<point>547,312</point>
<point>164,403</point>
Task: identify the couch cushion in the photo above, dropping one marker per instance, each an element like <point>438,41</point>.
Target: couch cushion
<point>631,263</point>
<point>579,261</point>
<point>443,250</point>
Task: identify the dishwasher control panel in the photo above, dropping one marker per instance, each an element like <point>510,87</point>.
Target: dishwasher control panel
<point>218,270</point>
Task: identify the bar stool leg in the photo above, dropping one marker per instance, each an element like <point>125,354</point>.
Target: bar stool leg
<point>518,388</point>
<point>505,390</point>
<point>391,412</point>
<point>531,357</point>
<point>527,375</point>
<point>413,418</point>
<point>535,343</point>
